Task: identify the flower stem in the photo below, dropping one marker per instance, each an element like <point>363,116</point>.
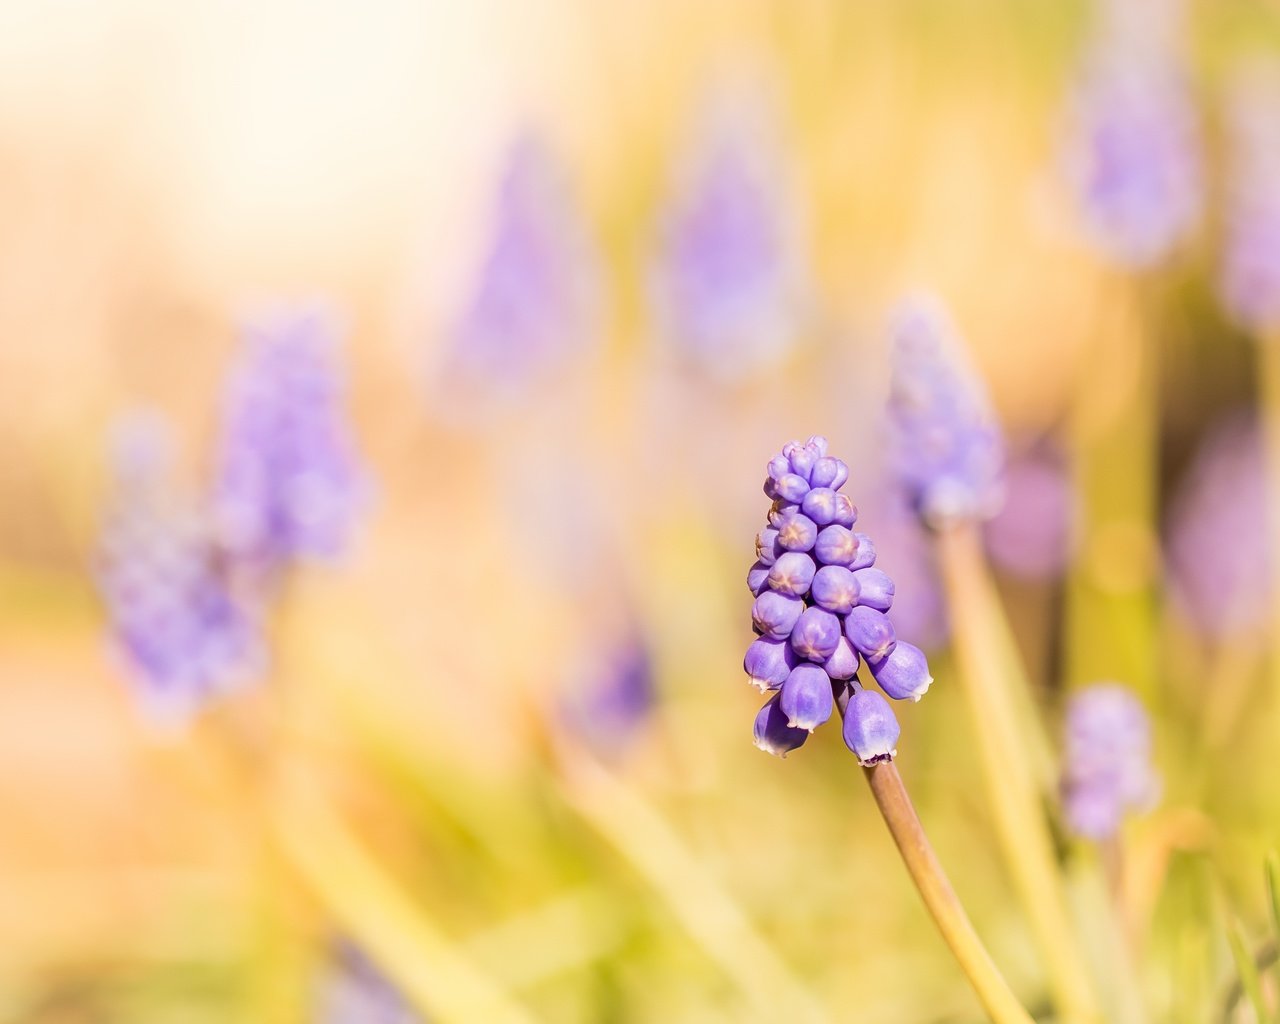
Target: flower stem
<point>993,991</point>
<point>1021,828</point>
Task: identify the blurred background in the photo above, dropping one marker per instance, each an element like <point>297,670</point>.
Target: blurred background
<point>579,271</point>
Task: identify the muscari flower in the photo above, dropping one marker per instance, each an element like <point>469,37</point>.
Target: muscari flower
<point>1033,534</point>
<point>180,631</point>
<point>288,483</point>
<point>728,276</point>
<point>946,446</point>
<point>535,305</point>
<point>1250,273</point>
<point>1218,548</point>
<point>1106,759</point>
<point>1133,139</point>
<point>820,613</point>
<point>353,991</point>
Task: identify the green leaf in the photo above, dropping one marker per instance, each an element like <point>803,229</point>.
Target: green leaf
<point>1248,969</point>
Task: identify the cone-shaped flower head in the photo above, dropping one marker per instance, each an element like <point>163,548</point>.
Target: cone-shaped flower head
<point>1218,550</point>
<point>1106,759</point>
<point>288,484</point>
<point>947,449</point>
<point>1133,155</point>
<point>535,305</point>
<point>728,278</point>
<point>180,632</point>
<point>819,612</point>
<point>353,990</point>
<point>1250,276</point>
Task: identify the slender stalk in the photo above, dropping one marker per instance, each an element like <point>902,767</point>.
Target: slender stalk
<point>692,893</point>
<point>369,907</point>
<point>1270,356</point>
<point>940,899</point>
<point>1021,828</point>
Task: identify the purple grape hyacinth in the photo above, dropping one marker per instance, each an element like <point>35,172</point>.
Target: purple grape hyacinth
<point>728,276</point>
<point>1106,760</point>
<point>820,612</point>
<point>948,451</point>
<point>536,301</point>
<point>179,628</point>
<point>1133,138</point>
<point>288,485</point>
<point>1250,275</point>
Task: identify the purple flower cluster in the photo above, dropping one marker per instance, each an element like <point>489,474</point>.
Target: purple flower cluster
<point>288,486</point>
<point>728,276</point>
<point>180,631</point>
<point>187,586</point>
<point>1106,759</point>
<point>820,612</point>
<point>1251,263</point>
<point>947,448</point>
<point>1133,148</point>
<point>535,303</point>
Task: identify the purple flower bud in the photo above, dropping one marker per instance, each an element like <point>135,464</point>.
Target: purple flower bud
<point>1250,277</point>
<point>816,634</point>
<point>288,485</point>
<point>904,673</point>
<point>829,472</point>
<point>780,508</point>
<point>875,589</point>
<point>792,574</point>
<point>791,487</point>
<point>758,577</point>
<point>803,460</point>
<point>820,505</point>
<point>1106,759</point>
<point>835,588</point>
<point>796,532</point>
<point>779,466</point>
<point>836,545</point>
<point>768,663</point>
<point>870,727</point>
<point>774,615</point>
<point>947,449</point>
<point>772,733</point>
<point>806,697</point>
<point>846,512</point>
<point>767,546</point>
<point>843,663</point>
<point>865,557</point>
<point>870,632</point>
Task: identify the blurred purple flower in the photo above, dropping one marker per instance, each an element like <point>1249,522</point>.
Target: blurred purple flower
<point>1217,547</point>
<point>1106,759</point>
<point>611,695</point>
<point>817,623</point>
<point>904,552</point>
<point>1033,534</point>
<point>181,633</point>
<point>1133,155</point>
<point>288,484</point>
<point>1250,278</point>
<point>946,446</point>
<point>353,991</point>
<point>729,274</point>
<point>536,302</point>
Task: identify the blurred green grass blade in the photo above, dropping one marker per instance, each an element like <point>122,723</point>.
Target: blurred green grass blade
<point>1273,897</point>
<point>1248,970</point>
